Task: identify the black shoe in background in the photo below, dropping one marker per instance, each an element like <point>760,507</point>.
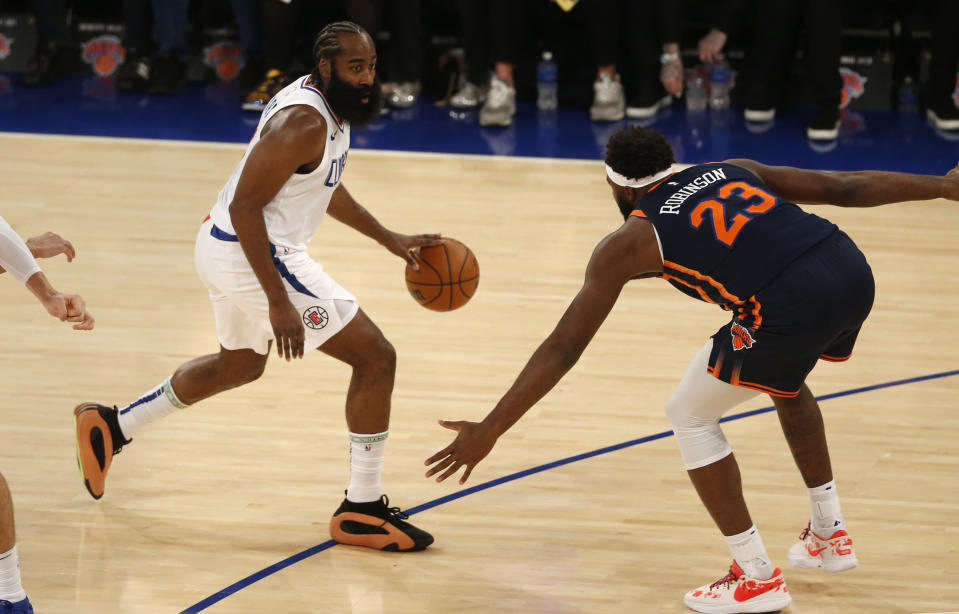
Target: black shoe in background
<point>944,114</point>
<point>824,125</point>
<point>134,74</point>
<point>167,75</point>
<point>48,64</point>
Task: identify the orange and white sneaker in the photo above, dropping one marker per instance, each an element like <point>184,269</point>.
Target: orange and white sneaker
<point>377,525</point>
<point>737,593</point>
<point>832,554</point>
<point>99,438</point>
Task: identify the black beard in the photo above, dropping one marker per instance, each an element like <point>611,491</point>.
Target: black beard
<point>625,207</point>
<point>347,103</point>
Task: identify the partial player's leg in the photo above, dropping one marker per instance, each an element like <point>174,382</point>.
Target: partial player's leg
<point>753,583</point>
<point>103,431</point>
<point>13,598</point>
<point>365,517</point>
<point>825,542</point>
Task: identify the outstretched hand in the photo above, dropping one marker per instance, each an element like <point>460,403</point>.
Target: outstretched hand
<point>50,244</point>
<point>407,246</point>
<point>473,442</point>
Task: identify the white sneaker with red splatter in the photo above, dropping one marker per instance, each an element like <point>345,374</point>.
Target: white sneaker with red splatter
<point>737,593</point>
<point>832,554</point>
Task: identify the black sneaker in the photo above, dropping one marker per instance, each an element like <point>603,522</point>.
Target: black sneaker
<point>274,81</point>
<point>945,116</point>
<point>377,525</point>
<point>759,105</point>
<point>47,65</point>
<point>824,125</point>
<point>168,75</point>
<point>134,74</point>
<point>99,439</point>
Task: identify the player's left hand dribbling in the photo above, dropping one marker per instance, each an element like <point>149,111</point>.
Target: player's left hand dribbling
<point>406,246</point>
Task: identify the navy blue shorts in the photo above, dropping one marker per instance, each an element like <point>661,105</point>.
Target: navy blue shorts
<point>813,310</point>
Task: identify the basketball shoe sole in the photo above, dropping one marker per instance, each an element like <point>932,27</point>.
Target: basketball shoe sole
<point>96,445</point>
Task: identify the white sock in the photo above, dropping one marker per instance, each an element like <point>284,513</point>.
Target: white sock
<point>366,463</point>
<point>153,405</point>
<point>10,588</point>
<point>825,517</point>
<point>750,553</point>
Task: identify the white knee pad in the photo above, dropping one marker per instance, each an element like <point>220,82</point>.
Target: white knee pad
<point>694,410</point>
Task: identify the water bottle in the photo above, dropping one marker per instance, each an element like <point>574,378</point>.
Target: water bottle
<point>719,80</point>
<point>546,78</point>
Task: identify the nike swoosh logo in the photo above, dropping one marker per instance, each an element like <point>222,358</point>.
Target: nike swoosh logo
<point>748,590</point>
<point>815,551</point>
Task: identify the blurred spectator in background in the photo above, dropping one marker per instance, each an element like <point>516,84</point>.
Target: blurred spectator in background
<point>506,33</point>
<point>655,29</point>
<point>475,18</point>
<point>284,23</point>
<point>51,60</point>
<point>777,27</point>
<point>940,104</point>
<point>157,61</point>
<point>404,20</point>
<point>603,19</point>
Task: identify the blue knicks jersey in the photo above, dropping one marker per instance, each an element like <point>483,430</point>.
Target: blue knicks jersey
<point>725,236</point>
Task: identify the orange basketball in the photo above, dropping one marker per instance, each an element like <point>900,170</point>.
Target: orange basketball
<point>448,276</point>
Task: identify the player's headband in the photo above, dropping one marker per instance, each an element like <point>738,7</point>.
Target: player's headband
<point>642,182</point>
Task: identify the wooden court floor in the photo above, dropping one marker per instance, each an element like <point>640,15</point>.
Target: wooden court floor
<point>240,482</point>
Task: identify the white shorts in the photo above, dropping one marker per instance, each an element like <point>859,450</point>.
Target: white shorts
<point>240,306</point>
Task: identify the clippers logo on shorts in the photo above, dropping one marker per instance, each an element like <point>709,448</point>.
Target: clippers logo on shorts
<point>742,339</point>
<point>5,47</point>
<point>226,58</point>
<point>316,318</point>
<point>104,54</point>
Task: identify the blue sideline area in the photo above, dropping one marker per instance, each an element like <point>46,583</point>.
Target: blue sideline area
<point>85,105</point>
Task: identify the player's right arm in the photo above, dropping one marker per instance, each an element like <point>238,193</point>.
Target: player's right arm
<point>18,258</point>
<point>293,138</point>
<point>630,252</point>
<point>852,189</point>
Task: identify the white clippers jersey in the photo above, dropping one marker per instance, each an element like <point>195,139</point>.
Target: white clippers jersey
<point>295,213</point>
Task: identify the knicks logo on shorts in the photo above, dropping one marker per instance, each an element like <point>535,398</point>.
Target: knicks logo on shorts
<point>742,339</point>
<point>316,318</point>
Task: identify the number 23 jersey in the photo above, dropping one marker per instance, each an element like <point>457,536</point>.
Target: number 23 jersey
<point>724,235</point>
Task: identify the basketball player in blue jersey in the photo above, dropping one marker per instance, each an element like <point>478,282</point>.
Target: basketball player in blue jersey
<point>19,259</point>
<point>798,289</point>
<point>251,255</point>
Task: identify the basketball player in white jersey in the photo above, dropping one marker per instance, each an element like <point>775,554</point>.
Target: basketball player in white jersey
<point>18,258</point>
<point>251,255</point>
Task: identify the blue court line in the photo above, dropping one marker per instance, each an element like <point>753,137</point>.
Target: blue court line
<point>296,558</point>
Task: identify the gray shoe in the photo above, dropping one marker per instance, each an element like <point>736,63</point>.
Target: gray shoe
<point>405,94</point>
<point>470,96</point>
<point>500,105</point>
<point>642,110</point>
<point>609,102</point>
